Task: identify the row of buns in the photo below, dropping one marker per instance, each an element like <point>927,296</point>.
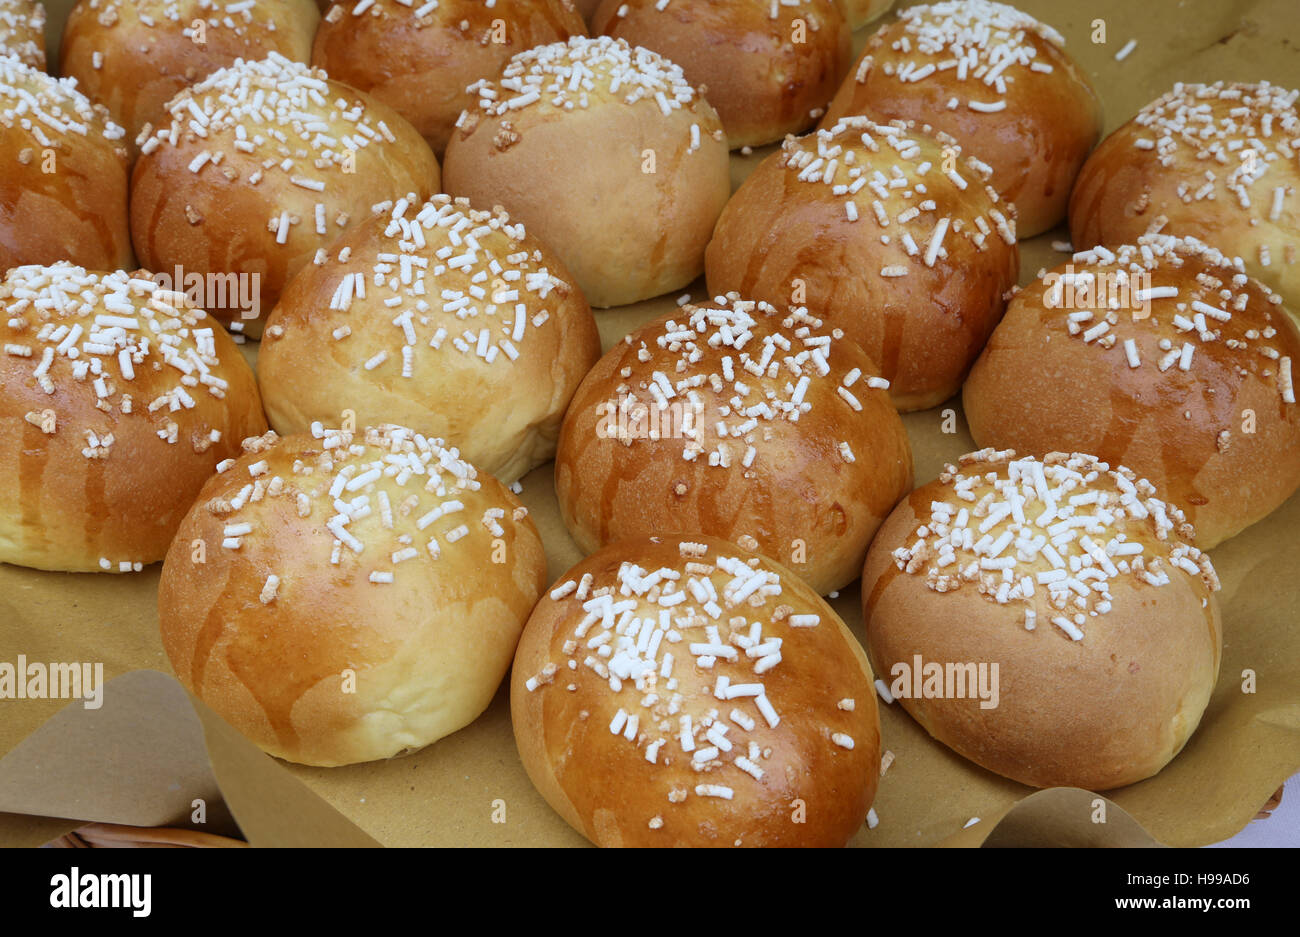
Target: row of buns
<point>722,466</point>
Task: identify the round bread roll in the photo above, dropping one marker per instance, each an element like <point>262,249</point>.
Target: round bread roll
<point>860,12</point>
<point>769,69</point>
<point>452,321</point>
<point>22,32</point>
<point>689,693</point>
<point>117,401</point>
<point>133,56</point>
<point>1048,620</point>
<point>263,164</point>
<point>862,225</point>
<point>1164,357</point>
<point>731,420</point>
<point>419,57</point>
<point>359,595</point>
<point>1214,162</point>
<point>631,217</point>
<point>999,82</point>
<point>63,191</point>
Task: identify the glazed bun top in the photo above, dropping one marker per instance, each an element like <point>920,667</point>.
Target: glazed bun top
<point>582,74</point>
<point>262,164</point>
<point>22,31</point>
<point>997,80</point>
<point>457,280</point>
<point>1069,524</point>
<point>984,44</point>
<point>50,112</point>
<point>896,173</point>
<point>1185,300</point>
<point>1217,162</point>
<point>743,375</point>
<point>145,352</point>
<point>133,56</point>
<point>277,112</point>
<point>1216,125</point>
<point>363,502</point>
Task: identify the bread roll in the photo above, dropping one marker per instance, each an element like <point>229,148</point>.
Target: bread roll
<point>117,401</point>
<point>63,191</point>
<point>862,225</point>
<point>133,56</point>
<point>420,57</point>
<point>1184,166</point>
<point>1078,585</point>
<point>1164,357</point>
<point>860,12</point>
<point>22,32</point>
<point>769,69</point>
<point>262,165</point>
<point>997,80</point>
<point>359,596</point>
<point>586,8</point>
<point>730,419</point>
<point>464,327</point>
<point>606,154</point>
<point>688,693</point>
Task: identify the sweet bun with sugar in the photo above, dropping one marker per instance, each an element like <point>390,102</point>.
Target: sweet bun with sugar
<point>117,402</point>
<point>731,419</point>
<point>999,82</point>
<point>452,321</point>
<point>261,165</point>
<point>1215,162</point>
<point>1075,628</point>
<point>63,191</point>
<point>1163,356</point>
<point>769,69</point>
<point>608,155</point>
<point>361,594</point>
<point>133,56</point>
<point>674,691</point>
<point>870,228</point>
<point>419,58</point>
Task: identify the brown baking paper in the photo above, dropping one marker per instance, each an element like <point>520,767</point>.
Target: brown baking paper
<point>470,789</point>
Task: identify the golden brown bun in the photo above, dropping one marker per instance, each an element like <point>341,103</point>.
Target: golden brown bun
<point>228,217</point>
<point>1050,119</point>
<point>1151,174</point>
<point>1108,709</point>
<point>133,56</point>
<point>788,237</point>
<point>323,665</point>
<point>860,12</point>
<point>503,414</point>
<point>817,766</point>
<point>63,193</point>
<point>586,8</point>
<point>767,75</point>
<point>1221,439</point>
<point>633,462</point>
<point>579,178</point>
<point>22,31</point>
<point>421,66</point>
<point>98,471</point>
